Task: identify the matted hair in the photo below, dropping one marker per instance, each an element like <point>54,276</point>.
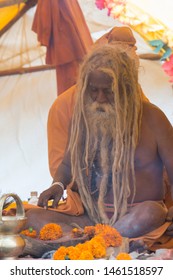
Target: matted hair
<point>115,62</point>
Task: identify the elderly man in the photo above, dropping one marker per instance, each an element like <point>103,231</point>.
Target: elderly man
<point>118,147</point>
<point>61,110</point>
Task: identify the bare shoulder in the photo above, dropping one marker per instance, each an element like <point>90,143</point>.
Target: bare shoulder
<point>155,117</point>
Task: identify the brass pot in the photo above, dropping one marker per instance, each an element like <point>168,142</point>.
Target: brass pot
<point>11,243</point>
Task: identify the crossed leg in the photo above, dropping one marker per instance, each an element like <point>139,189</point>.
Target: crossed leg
<point>37,218</point>
<point>141,219</point>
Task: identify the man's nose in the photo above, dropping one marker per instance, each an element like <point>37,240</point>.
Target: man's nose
<point>101,98</point>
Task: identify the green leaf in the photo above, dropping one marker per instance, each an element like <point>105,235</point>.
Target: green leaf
<point>30,229</point>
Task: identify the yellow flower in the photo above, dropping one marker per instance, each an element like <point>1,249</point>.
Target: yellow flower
<point>123,256</point>
<point>50,232</point>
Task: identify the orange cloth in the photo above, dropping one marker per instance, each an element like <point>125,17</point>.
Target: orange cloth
<point>120,34</point>
<point>60,26</point>
<point>66,75</point>
<point>72,205</point>
<point>59,118</point>
<point>156,239</point>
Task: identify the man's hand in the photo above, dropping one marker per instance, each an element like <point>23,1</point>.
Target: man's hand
<point>55,192</point>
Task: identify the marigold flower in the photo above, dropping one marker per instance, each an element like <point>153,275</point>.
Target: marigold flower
<point>123,256</point>
<point>67,253</point>
<point>86,246</point>
<point>77,232</point>
<point>90,231</point>
<point>86,255</point>
<point>80,246</point>
<point>111,236</point>
<point>29,232</point>
<point>50,232</point>
<point>98,249</point>
<point>99,228</point>
<point>73,253</point>
<point>99,239</point>
<point>60,253</point>
<point>112,239</point>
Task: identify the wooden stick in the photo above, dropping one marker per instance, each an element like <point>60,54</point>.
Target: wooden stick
<point>150,56</point>
<point>19,71</point>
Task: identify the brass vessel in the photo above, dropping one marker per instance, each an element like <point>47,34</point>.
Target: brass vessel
<point>11,243</point>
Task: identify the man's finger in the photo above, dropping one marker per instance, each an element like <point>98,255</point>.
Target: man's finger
<point>55,202</point>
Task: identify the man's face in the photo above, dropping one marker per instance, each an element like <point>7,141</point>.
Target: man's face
<point>99,88</point>
<point>99,103</point>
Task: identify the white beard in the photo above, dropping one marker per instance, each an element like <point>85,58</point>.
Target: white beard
<point>101,123</point>
<point>101,118</point>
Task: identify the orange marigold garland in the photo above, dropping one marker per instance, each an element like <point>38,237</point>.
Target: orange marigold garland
<point>103,236</point>
<point>87,251</point>
<point>50,232</point>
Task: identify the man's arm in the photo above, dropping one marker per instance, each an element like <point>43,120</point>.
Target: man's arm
<point>57,127</point>
<point>164,136</point>
<point>62,178</point>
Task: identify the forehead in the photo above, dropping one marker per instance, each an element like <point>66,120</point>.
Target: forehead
<point>99,78</point>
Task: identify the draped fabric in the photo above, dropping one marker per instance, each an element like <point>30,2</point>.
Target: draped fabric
<point>60,26</point>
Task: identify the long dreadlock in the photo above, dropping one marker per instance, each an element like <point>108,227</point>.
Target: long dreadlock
<point>127,122</point>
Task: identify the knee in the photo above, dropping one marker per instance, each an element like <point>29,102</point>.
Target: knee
<point>153,211</point>
<point>141,219</point>
<point>151,214</point>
